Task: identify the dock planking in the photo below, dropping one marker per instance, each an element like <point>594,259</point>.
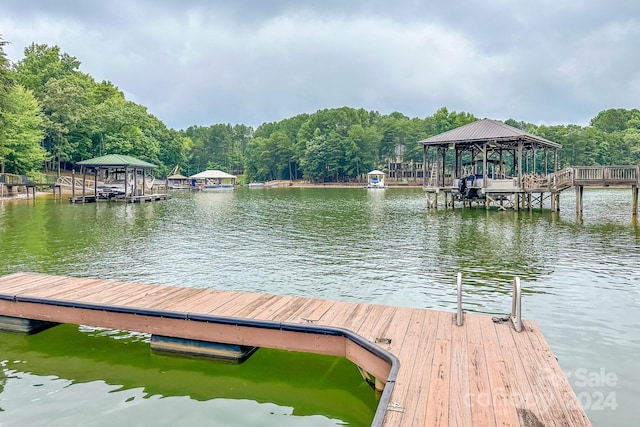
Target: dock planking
<point>479,374</point>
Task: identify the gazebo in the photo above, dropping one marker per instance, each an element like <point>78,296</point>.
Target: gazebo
<point>488,161</point>
<point>122,177</point>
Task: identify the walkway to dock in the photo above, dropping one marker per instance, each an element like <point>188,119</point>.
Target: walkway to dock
<point>531,190</point>
<point>483,373</point>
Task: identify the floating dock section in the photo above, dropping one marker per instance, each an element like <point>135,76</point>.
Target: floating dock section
<point>429,370</point>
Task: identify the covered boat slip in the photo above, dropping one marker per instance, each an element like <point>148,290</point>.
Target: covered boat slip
<point>213,180</point>
<point>432,371</point>
<point>488,160</point>
<point>375,180</point>
<point>114,177</point>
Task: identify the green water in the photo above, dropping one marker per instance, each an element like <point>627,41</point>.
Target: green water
<point>70,376</point>
<point>581,275</point>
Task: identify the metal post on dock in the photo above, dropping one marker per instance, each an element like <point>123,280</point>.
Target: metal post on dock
<point>459,318</point>
<point>516,305</point>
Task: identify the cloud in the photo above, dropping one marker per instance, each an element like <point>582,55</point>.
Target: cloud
<point>204,62</point>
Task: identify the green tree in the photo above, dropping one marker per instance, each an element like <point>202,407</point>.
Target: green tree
<point>125,127</point>
<point>6,78</point>
<point>20,133</point>
<point>67,109</point>
<point>212,146</point>
<point>631,139</point>
<point>361,149</point>
<point>42,63</point>
<point>611,120</point>
<point>314,161</point>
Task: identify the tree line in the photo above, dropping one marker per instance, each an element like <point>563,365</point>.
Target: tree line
<point>52,115</point>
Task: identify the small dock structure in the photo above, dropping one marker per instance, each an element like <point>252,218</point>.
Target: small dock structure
<point>11,184</point>
<point>113,177</point>
<point>433,368</point>
<point>490,163</point>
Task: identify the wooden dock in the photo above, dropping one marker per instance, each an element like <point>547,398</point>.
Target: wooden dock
<point>128,199</point>
<point>434,373</point>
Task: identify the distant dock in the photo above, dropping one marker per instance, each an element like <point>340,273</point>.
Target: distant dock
<point>129,199</point>
<point>430,371</point>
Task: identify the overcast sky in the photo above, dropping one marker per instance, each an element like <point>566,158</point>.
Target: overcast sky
<point>201,62</point>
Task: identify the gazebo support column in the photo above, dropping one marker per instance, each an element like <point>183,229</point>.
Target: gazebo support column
<point>95,183</point>
<point>84,184</point>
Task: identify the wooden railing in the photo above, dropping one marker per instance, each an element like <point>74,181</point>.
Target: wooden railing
<point>42,179</point>
<point>30,180</point>
<point>607,174</point>
<point>594,176</point>
<point>562,180</point>
<point>12,179</point>
<point>583,176</point>
<point>67,181</point>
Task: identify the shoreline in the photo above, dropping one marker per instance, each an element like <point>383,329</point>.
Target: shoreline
<point>350,185</point>
<point>271,184</point>
<point>277,184</point>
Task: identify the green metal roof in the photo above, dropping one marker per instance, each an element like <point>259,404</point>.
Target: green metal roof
<point>116,160</point>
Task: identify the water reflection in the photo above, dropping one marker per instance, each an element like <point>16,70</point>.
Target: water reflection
<point>580,275</point>
<point>110,374</point>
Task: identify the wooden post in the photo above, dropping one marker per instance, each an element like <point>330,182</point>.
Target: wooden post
<point>424,169</point>
<point>84,185</point>
<point>579,195</point>
<point>516,201</point>
<point>126,183</point>
<point>523,198</point>
<point>444,165</point>
<point>73,185</point>
<point>634,206</point>
<point>95,183</point>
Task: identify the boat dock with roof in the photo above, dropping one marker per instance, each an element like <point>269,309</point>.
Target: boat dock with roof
<point>114,177</point>
<point>432,367</point>
<point>490,163</point>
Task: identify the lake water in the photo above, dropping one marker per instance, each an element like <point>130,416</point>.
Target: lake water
<point>581,276</point>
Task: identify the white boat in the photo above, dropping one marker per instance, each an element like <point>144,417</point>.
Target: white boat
<point>179,186</point>
<point>218,187</point>
<point>375,180</point>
